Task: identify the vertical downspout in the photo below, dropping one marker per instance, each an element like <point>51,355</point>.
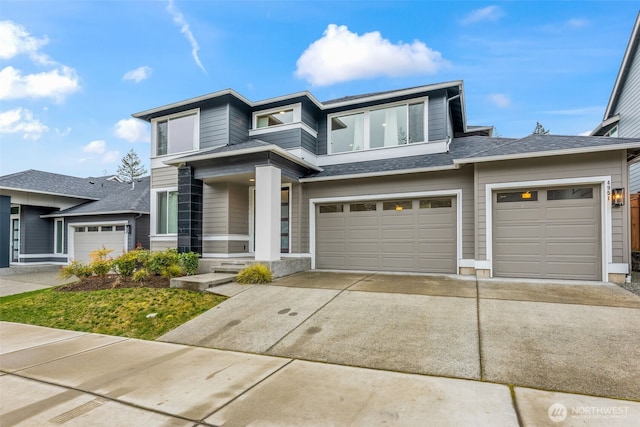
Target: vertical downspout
<point>449,137</point>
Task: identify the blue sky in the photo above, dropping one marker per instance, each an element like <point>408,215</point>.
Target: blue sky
<point>73,72</point>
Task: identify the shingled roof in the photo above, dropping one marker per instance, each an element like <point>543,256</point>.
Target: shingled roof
<point>60,185</point>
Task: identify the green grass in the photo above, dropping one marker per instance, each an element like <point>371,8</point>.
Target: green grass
<point>121,312</point>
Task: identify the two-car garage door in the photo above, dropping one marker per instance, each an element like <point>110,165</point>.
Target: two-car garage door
<point>547,233</point>
<point>391,235</point>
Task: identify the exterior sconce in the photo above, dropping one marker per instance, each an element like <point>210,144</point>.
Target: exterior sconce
<point>617,197</point>
<point>127,229</point>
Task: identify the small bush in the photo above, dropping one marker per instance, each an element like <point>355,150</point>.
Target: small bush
<point>189,262</point>
<point>255,273</point>
<point>100,264</point>
<point>171,271</point>
<point>75,268</point>
<point>159,261</point>
<point>125,264</point>
<point>140,275</point>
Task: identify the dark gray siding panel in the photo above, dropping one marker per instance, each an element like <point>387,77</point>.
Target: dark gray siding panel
<point>37,233</point>
<point>322,136</point>
<point>214,126</point>
<point>308,115</point>
<point>309,142</point>
<point>437,115</point>
<point>286,139</point>
<point>239,124</point>
<point>629,101</point>
<point>142,231</point>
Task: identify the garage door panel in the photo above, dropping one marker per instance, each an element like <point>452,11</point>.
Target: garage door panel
<point>392,240</point>
<point>558,238</point>
<point>571,213</point>
<point>88,241</point>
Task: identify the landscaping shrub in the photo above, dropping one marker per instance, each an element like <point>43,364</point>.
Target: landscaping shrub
<point>174,270</point>
<point>100,265</point>
<point>159,261</point>
<point>140,275</point>
<point>189,262</point>
<point>75,268</point>
<point>255,273</point>
<point>125,264</point>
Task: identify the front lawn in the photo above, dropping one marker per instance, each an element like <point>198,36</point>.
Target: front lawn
<point>145,313</point>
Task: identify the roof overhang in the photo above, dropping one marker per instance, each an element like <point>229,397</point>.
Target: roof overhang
<point>568,151</point>
<point>605,125</point>
<point>48,193</point>
<point>379,174</point>
<point>220,155</point>
<point>65,215</point>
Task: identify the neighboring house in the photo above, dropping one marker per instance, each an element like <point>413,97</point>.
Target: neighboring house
<point>59,218</point>
<point>390,181</point>
<point>622,116</point>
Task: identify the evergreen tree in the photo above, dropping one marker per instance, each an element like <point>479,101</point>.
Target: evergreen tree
<point>540,130</point>
<point>131,167</point>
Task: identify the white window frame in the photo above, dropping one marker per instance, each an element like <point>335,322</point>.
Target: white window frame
<point>296,123</point>
<point>55,235</point>
<point>153,223</point>
<point>154,132</point>
<point>366,124</point>
<point>613,132</point>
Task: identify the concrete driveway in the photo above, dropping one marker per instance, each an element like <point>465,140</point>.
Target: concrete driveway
<point>20,279</point>
<point>564,337</point>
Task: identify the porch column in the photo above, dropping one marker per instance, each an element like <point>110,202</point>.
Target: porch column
<point>267,228</point>
<point>189,211</point>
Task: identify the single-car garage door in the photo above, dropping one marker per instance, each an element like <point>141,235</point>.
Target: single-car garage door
<point>89,238</point>
<point>547,233</point>
<point>392,235</point>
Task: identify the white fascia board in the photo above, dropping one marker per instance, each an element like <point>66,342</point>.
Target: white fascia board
<point>273,148</point>
<point>393,94</point>
<point>191,101</point>
<point>382,153</point>
<point>48,193</point>
<point>516,156</point>
<point>605,123</point>
<point>63,215</point>
<point>378,174</point>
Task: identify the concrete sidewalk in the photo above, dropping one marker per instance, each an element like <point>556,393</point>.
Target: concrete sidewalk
<point>77,379</point>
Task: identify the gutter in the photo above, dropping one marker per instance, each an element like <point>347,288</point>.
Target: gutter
<point>449,138</point>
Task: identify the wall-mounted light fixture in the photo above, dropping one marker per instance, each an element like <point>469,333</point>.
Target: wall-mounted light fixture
<point>127,229</point>
<point>617,197</point>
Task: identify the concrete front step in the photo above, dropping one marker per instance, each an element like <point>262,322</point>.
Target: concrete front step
<point>201,282</point>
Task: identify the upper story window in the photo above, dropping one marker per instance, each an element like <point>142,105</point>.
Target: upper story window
<point>378,127</point>
<point>177,133</point>
<point>613,132</point>
<point>285,115</point>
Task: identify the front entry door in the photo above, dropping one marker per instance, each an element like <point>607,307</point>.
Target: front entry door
<point>15,240</point>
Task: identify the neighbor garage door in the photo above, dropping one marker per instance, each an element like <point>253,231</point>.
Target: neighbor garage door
<point>393,235</point>
<point>547,233</point>
<point>89,238</point>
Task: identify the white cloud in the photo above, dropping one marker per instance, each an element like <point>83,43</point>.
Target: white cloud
<point>489,13</point>
<point>340,55</point>
<point>179,19</point>
<point>65,132</point>
<point>55,84</point>
<point>139,74</point>
<point>500,100</point>
<point>577,22</point>
<point>132,130</point>
<point>20,120</point>
<point>15,40</point>
<point>97,147</point>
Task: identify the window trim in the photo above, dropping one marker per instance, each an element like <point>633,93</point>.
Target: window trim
<point>169,117</point>
<point>153,220</point>
<point>366,124</point>
<point>297,116</point>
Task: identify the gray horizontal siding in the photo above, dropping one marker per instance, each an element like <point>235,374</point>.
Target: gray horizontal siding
<point>214,126</point>
<point>322,136</point>
<point>629,102</point>
<point>164,177</point>
<point>36,234</point>
<point>437,117</point>
<point>239,124</point>
<point>309,116</point>
<point>309,143</point>
<point>286,139</point>
<point>634,178</point>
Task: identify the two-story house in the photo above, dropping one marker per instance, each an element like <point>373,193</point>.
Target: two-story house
<point>391,181</point>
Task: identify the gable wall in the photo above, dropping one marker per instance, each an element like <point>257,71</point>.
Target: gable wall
<point>214,126</point>
<point>629,102</point>
<point>437,116</point>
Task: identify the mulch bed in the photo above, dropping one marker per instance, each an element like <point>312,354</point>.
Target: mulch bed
<point>112,281</point>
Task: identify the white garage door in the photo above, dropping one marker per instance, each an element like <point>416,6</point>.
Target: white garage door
<point>547,233</point>
<point>394,235</point>
<point>89,238</point>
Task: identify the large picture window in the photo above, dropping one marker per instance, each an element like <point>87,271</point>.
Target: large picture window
<point>378,128</point>
<point>177,134</point>
<point>167,212</point>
